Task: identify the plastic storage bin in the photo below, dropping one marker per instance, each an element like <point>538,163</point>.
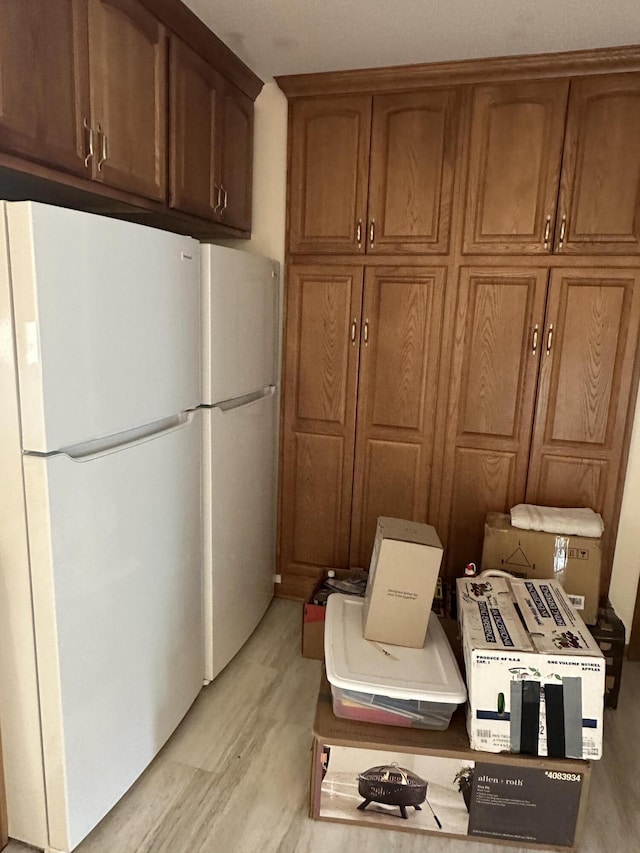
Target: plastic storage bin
<point>390,685</point>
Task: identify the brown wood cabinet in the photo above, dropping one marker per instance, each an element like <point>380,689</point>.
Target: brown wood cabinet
<point>540,392</point>
<point>84,88</point>
<point>44,92</point>
<point>128,79</point>
<point>373,175</point>
<point>359,412</point>
<point>518,199</point>
<point>211,141</point>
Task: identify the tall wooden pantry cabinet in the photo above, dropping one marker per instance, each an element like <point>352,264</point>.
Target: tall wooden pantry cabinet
<point>462,299</point>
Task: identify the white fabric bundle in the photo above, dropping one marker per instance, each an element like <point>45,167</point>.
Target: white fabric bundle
<point>570,522</point>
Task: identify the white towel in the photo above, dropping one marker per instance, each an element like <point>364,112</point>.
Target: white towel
<point>570,522</point>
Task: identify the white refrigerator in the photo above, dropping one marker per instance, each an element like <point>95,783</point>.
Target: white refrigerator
<point>240,311</point>
<point>100,527</point>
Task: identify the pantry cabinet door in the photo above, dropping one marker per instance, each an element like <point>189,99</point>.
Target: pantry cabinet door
<point>515,153</point>
<point>399,361</point>
<point>321,368</point>
<point>194,88</point>
<point>329,170</point>
<point>44,82</point>
<point>496,354</point>
<point>589,348</point>
<point>413,152</point>
<point>599,208</point>
<point>128,76</point>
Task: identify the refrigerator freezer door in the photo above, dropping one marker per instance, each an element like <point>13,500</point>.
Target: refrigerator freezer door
<point>107,318</point>
<point>115,545</point>
<point>240,521</point>
<point>239,323</point>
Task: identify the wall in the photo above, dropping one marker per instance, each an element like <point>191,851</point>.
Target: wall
<point>626,563</point>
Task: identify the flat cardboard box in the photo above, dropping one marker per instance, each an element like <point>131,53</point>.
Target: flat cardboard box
<point>402,578</point>
<point>511,800</point>
<point>313,616</point>
<point>530,554</point>
<point>536,689</point>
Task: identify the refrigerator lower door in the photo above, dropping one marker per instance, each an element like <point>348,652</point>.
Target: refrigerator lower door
<point>239,513</point>
<point>115,543</point>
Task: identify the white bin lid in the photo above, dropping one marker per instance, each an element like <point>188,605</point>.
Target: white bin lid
<point>353,663</point>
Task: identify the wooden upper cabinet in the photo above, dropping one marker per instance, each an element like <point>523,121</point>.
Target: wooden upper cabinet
<point>590,342</point>
<point>329,169</point>
<point>235,157</point>
<point>398,378</point>
<point>128,78</point>
<point>599,209</point>
<point>515,153</point>
<point>319,408</point>
<point>44,93</point>
<point>496,355</point>
<point>193,96</point>
<point>413,151</point>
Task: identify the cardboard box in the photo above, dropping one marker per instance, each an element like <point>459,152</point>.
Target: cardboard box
<point>515,799</point>
<point>531,553</point>
<point>402,577</point>
<point>313,616</point>
<point>537,689</point>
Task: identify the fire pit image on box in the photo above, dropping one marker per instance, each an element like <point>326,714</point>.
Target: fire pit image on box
<point>393,786</point>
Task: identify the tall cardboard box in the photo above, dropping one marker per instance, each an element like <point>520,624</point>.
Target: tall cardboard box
<point>402,578</point>
<point>530,554</point>
<point>537,689</point>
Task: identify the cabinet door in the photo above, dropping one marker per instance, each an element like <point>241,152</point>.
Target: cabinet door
<point>236,157</point>
<point>194,89</point>
<point>413,150</point>
<point>329,170</point>
<point>590,340</point>
<point>321,367</point>
<point>496,353</point>
<point>400,349</point>
<point>44,89</point>
<point>515,152</point>
<point>128,76</point>
<point>599,208</point>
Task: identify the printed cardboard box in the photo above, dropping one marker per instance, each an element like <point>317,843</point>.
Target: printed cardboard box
<point>511,799</point>
<point>313,616</point>
<point>532,554</point>
<point>402,578</point>
<point>539,689</point>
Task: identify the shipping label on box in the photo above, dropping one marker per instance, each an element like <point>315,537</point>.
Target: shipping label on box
<point>402,577</point>
<point>573,560</point>
<point>539,691</point>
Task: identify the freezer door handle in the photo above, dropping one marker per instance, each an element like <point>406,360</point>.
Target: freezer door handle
<point>121,441</point>
<point>247,399</point>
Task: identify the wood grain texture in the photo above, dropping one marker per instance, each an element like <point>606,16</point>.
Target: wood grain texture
<point>492,69</point>
<point>397,392</point>
<point>236,157</point>
<point>515,155</point>
<point>600,190</point>
<point>585,386</point>
<point>328,173</point>
<point>319,405</point>
<point>491,403</point>
<point>128,73</point>
<point>413,148</point>
<point>44,91</point>
<point>193,97</point>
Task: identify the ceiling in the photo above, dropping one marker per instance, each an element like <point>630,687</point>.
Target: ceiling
<point>297,36</point>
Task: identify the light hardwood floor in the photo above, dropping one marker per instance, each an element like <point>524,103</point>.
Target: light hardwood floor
<point>234,777</point>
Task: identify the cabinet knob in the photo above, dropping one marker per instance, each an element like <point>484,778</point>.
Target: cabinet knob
<point>547,231</point>
<point>354,330</point>
<point>563,228</point>
<point>549,338</point>
<point>225,196</point>
<point>372,232</point>
<point>534,342</point>
<point>359,233</point>
<point>104,153</point>
<point>365,332</point>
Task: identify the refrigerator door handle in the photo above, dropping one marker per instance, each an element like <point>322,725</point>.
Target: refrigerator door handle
<point>121,441</point>
<point>247,399</point>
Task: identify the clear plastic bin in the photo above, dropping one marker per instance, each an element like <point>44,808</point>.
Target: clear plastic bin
<point>386,710</point>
